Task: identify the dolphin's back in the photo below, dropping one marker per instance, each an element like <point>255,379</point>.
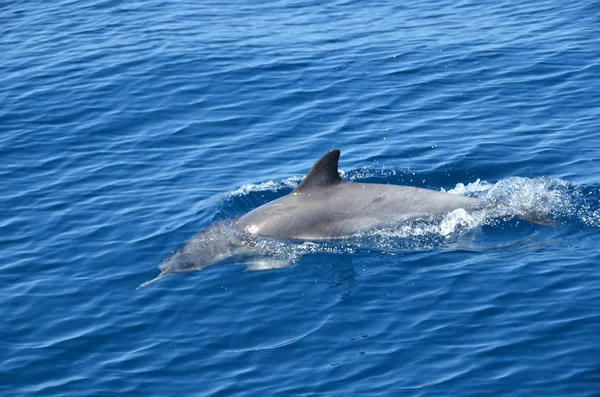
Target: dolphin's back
<point>324,206</point>
<point>347,208</point>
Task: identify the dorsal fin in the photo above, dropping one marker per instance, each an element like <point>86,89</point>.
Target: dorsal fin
<point>323,173</point>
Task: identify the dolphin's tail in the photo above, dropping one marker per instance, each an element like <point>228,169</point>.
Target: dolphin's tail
<point>538,217</point>
<point>162,275</point>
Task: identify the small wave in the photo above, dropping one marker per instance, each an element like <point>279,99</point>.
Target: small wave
<point>264,186</point>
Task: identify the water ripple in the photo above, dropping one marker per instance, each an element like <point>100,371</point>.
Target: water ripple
<point>126,127</point>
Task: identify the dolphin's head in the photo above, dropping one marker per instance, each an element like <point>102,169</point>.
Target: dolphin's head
<point>181,262</point>
<point>209,246</point>
<point>217,243</point>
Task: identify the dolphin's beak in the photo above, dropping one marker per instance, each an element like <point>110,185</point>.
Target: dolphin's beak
<point>177,263</point>
<point>167,266</point>
<point>162,274</point>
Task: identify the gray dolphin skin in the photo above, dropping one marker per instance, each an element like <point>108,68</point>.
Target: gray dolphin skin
<point>322,207</point>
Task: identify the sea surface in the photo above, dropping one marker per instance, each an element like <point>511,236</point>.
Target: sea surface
<point>127,126</point>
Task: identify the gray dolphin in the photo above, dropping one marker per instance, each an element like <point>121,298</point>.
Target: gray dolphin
<point>322,207</point>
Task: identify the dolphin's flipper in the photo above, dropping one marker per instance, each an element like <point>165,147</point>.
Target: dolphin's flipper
<point>266,264</point>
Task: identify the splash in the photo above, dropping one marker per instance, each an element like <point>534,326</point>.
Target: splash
<point>521,194</point>
<point>562,200</point>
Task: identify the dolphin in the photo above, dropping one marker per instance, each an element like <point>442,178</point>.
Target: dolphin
<point>322,207</point>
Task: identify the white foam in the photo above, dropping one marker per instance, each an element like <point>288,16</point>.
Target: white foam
<point>593,219</point>
<point>459,218</point>
<point>517,195</point>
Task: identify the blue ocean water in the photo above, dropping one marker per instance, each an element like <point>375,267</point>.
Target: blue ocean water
<point>125,127</point>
